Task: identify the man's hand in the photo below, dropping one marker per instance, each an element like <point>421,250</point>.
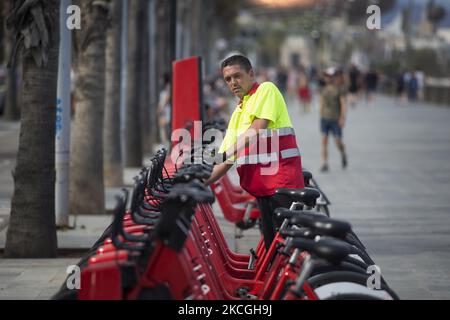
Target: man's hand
<point>341,122</point>
<point>218,172</point>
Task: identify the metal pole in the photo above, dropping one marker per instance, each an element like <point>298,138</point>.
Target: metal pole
<point>173,45</point>
<point>62,139</point>
<point>123,72</point>
<point>152,67</point>
<point>173,32</point>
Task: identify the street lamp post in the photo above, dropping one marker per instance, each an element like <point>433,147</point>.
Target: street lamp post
<point>123,72</point>
<point>62,139</point>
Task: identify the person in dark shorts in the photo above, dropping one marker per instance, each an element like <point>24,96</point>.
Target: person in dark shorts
<point>353,88</point>
<point>371,84</point>
<point>332,117</point>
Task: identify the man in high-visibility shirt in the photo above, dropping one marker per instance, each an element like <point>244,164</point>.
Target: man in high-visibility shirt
<point>261,140</point>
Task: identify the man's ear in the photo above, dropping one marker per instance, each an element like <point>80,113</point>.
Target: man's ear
<point>251,73</point>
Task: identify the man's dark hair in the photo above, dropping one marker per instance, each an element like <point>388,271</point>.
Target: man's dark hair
<point>237,60</point>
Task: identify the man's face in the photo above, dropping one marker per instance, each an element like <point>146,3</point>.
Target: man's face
<point>238,80</point>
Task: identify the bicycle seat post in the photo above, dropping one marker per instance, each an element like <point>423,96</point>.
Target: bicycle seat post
<point>294,257</point>
<point>307,267</point>
<point>294,205</point>
<point>286,221</point>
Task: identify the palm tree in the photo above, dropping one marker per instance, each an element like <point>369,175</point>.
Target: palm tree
<point>112,161</point>
<point>32,230</point>
<point>86,191</point>
<point>435,13</point>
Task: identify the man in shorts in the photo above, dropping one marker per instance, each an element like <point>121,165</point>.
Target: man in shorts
<point>332,117</point>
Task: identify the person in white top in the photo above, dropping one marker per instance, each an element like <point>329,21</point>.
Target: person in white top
<point>420,83</point>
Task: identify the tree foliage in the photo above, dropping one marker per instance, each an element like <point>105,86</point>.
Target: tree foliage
<point>435,13</point>
<point>226,12</point>
<point>31,22</point>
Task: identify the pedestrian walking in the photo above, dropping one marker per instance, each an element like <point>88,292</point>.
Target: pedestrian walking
<point>413,87</point>
<point>304,94</point>
<point>332,117</point>
<point>292,87</point>
<point>282,78</point>
<point>371,85</point>
<point>164,111</point>
<point>420,75</point>
<point>400,86</point>
<point>354,76</point>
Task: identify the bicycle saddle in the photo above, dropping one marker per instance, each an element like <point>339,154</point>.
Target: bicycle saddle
<point>193,191</point>
<point>331,250</point>
<point>324,226</point>
<point>307,196</point>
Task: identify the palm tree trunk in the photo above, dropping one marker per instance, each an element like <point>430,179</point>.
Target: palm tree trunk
<point>86,193</point>
<point>133,137</point>
<point>32,230</point>
<point>112,161</point>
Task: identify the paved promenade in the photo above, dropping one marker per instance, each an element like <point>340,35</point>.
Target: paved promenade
<point>395,192</point>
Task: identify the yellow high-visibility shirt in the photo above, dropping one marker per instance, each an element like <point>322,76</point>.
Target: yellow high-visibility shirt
<point>266,102</point>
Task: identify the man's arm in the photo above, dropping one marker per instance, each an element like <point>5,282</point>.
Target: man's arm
<point>221,169</point>
<point>218,172</point>
<point>343,111</point>
<point>250,135</point>
<point>321,104</point>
